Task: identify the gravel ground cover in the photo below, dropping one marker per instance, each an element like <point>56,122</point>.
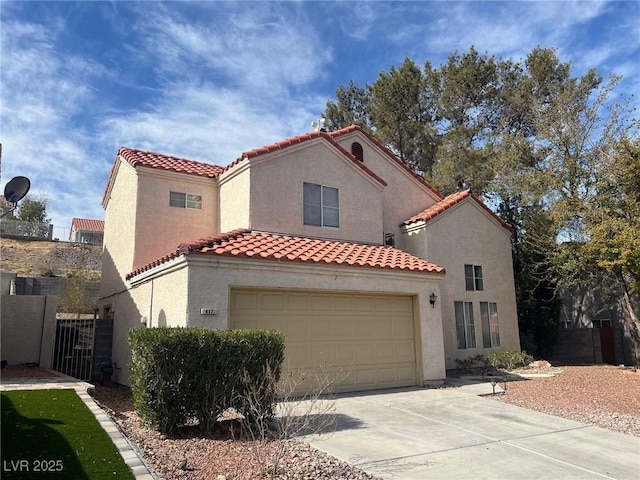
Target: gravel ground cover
<point>604,396</point>
<point>193,455</point>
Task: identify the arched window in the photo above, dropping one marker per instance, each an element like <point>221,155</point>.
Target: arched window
<point>356,151</point>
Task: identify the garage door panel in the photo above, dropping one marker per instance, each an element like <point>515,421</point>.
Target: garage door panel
<point>319,303</point>
<point>343,327</point>
<point>364,327</point>
<point>271,301</point>
<point>344,354</point>
<point>342,304</point>
<point>355,342</point>
<point>321,328</point>
<point>384,305</point>
<point>383,327</point>
<point>244,301</point>
<point>403,305</point>
<point>403,327</point>
<point>363,304</point>
<point>296,329</point>
<point>297,302</point>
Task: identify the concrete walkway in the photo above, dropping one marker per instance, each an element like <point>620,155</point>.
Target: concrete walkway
<point>128,452</point>
<point>454,433</point>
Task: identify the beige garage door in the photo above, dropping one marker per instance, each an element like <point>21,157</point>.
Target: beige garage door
<point>353,342</point>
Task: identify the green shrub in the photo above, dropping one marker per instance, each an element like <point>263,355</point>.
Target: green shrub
<point>508,359</point>
<point>160,377</point>
<point>469,364</point>
<point>182,373</point>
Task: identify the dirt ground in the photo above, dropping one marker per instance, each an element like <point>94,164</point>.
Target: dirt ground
<point>39,258</point>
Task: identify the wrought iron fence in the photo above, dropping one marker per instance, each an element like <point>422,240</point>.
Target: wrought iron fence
<point>73,353</point>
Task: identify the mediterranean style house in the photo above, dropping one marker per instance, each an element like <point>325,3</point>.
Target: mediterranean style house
<point>371,274</point>
<point>86,230</point>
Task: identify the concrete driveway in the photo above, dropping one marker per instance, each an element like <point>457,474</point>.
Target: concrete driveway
<point>456,434</point>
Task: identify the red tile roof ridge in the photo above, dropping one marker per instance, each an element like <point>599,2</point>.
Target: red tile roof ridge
<point>164,161</point>
<point>282,144</point>
<point>274,246</point>
<point>448,202</point>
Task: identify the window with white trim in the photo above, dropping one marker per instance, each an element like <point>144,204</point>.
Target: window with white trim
<point>473,278</point>
<point>490,324</point>
<point>321,205</point>
<point>465,327</point>
<point>185,200</point>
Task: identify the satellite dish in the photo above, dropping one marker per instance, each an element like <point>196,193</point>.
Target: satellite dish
<point>16,189</point>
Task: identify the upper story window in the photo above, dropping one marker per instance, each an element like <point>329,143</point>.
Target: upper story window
<point>356,151</point>
<point>185,200</point>
<point>321,205</point>
<point>473,278</point>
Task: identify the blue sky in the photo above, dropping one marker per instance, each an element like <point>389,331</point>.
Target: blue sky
<point>209,80</point>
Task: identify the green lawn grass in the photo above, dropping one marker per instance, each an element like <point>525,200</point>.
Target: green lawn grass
<point>51,434</point>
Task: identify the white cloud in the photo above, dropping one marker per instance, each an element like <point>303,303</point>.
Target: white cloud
<point>260,47</point>
<point>207,123</point>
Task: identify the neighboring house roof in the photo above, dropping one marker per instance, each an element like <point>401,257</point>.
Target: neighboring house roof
<point>448,202</point>
<point>274,147</point>
<point>4,202</point>
<point>244,243</point>
<point>389,153</point>
<point>87,224</point>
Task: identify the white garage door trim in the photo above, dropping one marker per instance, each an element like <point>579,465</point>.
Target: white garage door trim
<point>355,341</point>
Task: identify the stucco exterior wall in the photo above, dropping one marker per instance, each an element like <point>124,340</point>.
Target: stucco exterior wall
<point>402,197</point>
<point>277,193</point>
<point>160,228</point>
<point>235,192</point>
<point>465,234</point>
<point>28,328</point>
<point>160,302</point>
<point>120,230</point>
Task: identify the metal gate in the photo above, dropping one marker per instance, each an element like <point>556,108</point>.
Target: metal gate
<point>73,351</point>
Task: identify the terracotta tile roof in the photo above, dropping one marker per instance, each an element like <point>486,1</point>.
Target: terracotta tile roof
<point>448,202</point>
<point>4,202</point>
<point>274,147</point>
<point>167,162</point>
<point>389,153</point>
<point>269,246</point>
<point>162,162</point>
<point>87,224</point>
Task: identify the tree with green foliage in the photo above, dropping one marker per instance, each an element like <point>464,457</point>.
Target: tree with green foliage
<point>31,219</point>
<point>33,210</point>
<point>351,109</point>
<point>404,113</point>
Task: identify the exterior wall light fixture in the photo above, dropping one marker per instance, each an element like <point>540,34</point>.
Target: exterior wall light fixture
<point>432,300</point>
